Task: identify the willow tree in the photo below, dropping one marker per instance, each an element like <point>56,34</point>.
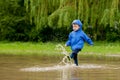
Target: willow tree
<point>60,13</point>
<point>110,13</point>
<point>50,12</point>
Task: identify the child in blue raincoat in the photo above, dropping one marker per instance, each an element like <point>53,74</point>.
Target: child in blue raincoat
<point>76,40</point>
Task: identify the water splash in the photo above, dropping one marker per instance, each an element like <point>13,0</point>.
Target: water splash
<point>62,49</point>
<point>43,69</point>
<point>66,63</point>
<point>61,67</point>
<point>66,59</point>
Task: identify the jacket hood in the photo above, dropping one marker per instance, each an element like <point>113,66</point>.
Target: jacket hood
<point>78,22</point>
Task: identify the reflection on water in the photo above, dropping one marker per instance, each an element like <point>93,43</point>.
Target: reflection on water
<point>35,68</point>
<point>69,73</point>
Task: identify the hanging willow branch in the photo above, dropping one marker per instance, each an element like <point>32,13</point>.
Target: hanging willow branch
<point>60,13</point>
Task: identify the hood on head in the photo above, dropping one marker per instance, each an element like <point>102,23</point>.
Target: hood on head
<point>78,22</point>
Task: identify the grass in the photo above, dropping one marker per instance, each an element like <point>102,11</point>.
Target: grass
<point>26,48</point>
<point>48,49</point>
<point>103,48</point>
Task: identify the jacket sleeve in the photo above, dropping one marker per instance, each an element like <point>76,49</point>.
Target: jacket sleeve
<point>87,39</point>
<point>68,43</point>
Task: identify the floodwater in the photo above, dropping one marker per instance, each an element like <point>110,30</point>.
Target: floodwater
<point>37,68</point>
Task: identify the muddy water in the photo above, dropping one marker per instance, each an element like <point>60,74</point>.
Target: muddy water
<point>36,68</point>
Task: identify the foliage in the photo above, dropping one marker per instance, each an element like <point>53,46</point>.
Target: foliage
<point>100,15</point>
<point>14,24</point>
<point>50,20</point>
<point>113,34</point>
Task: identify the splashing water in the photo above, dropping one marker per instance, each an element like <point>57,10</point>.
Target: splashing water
<point>66,59</point>
<point>66,63</point>
<point>43,69</point>
<point>63,50</point>
<point>62,67</point>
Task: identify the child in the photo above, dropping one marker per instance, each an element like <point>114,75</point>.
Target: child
<point>76,40</point>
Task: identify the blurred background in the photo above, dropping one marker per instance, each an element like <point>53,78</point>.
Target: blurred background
<point>50,20</point>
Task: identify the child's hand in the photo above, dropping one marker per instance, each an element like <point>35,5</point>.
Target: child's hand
<point>65,45</point>
<point>91,45</point>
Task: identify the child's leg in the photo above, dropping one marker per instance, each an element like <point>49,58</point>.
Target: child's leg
<point>74,56</point>
<point>75,59</point>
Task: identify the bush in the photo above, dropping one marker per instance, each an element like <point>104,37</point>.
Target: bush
<point>113,35</point>
<point>49,34</point>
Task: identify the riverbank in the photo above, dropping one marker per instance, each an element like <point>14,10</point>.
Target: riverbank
<point>99,50</point>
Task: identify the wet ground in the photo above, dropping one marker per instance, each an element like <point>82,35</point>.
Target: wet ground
<point>37,68</point>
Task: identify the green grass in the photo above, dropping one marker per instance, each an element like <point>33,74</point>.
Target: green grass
<point>26,48</point>
<point>103,48</point>
<point>48,49</point>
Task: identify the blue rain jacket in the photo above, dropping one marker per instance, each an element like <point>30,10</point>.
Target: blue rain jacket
<point>77,38</point>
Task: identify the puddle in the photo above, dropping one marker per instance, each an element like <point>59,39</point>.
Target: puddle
<point>24,68</point>
<point>32,68</point>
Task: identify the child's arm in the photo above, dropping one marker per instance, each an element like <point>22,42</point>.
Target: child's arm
<point>68,43</point>
<point>87,39</point>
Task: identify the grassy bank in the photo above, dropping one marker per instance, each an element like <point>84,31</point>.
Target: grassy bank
<point>48,49</point>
